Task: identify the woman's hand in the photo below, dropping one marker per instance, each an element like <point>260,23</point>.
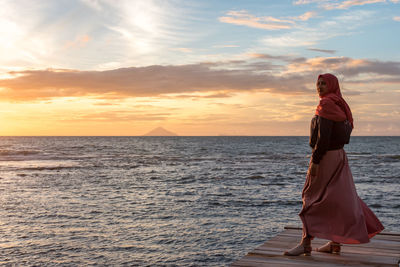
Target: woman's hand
<point>313,169</point>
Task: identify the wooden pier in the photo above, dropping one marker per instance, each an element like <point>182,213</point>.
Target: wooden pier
<point>383,250</point>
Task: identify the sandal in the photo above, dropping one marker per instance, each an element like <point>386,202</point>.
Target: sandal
<point>300,249</point>
<point>330,247</point>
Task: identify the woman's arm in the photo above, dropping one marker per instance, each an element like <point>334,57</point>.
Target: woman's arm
<point>323,139</point>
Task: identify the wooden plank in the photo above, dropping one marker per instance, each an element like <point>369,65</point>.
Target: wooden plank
<point>281,247</point>
<point>381,246</point>
<point>383,250</point>
<point>323,260</point>
<point>256,260</point>
<point>343,258</point>
<point>382,243</point>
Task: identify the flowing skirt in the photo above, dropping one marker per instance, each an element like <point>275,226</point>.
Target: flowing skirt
<point>331,207</point>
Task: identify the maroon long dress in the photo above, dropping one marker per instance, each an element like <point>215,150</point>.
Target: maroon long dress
<point>331,207</point>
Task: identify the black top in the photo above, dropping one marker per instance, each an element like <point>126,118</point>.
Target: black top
<point>326,135</point>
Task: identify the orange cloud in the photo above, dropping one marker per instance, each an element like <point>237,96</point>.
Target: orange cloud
<point>142,81</point>
<point>306,16</point>
<point>246,19</point>
<point>350,3</point>
<point>262,72</point>
<point>79,41</point>
<point>122,115</point>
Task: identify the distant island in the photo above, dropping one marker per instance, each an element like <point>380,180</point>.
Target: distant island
<point>160,131</point>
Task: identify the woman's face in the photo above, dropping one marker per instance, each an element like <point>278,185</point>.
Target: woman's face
<point>322,88</point>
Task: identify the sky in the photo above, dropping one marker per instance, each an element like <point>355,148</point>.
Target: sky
<point>125,67</point>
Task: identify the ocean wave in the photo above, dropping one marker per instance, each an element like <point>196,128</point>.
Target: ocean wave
<point>277,184</point>
<point>34,164</point>
<point>358,153</point>
<point>18,152</point>
<point>255,177</point>
<point>49,168</point>
<point>375,205</point>
<point>255,203</point>
<point>392,157</point>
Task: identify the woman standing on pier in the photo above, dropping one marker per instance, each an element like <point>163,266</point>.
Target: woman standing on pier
<point>331,207</point>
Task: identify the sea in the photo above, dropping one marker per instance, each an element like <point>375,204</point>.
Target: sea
<point>167,201</point>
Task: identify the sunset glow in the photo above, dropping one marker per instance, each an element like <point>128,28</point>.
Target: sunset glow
<point>106,67</point>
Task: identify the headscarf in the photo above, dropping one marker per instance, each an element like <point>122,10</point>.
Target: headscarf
<point>332,106</point>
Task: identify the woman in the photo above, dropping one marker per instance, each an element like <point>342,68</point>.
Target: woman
<point>331,207</point>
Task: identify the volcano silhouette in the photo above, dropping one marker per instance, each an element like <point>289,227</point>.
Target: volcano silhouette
<point>160,131</point>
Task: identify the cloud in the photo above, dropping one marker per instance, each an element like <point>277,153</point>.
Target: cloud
<point>397,18</point>
<point>349,67</point>
<point>212,95</point>
<point>281,58</point>
<point>305,2</point>
<point>329,4</point>
<point>80,41</point>
<point>245,19</point>
<point>182,49</point>
<point>267,23</point>
<point>226,46</point>
<point>306,16</point>
<point>322,50</point>
<point>261,72</point>
<point>311,35</point>
<point>88,34</point>
<point>143,81</point>
<point>350,3</point>
<point>121,115</point>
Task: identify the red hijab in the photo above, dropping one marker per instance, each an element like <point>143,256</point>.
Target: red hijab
<point>332,106</point>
